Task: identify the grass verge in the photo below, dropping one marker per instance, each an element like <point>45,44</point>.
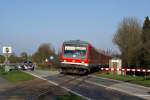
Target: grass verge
<point>131,79</point>
<point>15,76</point>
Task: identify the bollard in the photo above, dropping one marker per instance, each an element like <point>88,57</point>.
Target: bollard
<point>7,69</point>
<point>145,77</point>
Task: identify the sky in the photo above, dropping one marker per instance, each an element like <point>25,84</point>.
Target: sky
<point>26,24</point>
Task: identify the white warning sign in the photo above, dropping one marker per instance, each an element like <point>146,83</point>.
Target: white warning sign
<point>7,49</point>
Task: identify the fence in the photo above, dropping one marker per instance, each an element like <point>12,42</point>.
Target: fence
<point>125,70</point>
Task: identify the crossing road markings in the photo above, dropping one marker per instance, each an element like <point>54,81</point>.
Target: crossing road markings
<point>59,86</point>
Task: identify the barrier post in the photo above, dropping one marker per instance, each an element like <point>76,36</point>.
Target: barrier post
<point>125,73</point>
<point>107,70</point>
<point>134,74</point>
<point>145,75</point>
<point>121,72</point>
<point>114,69</point>
<point>114,73</point>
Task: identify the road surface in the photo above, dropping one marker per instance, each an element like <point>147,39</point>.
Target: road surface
<point>86,86</point>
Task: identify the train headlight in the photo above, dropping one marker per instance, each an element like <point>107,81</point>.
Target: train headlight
<point>64,60</point>
<point>82,62</point>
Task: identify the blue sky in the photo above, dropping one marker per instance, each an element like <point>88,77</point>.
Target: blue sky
<point>25,24</point>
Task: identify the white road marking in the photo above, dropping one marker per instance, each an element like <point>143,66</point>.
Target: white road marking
<point>60,86</point>
<point>94,83</point>
<point>119,81</point>
<point>143,95</point>
<point>112,88</point>
<point>105,78</point>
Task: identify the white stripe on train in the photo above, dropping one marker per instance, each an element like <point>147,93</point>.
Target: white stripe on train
<point>75,63</point>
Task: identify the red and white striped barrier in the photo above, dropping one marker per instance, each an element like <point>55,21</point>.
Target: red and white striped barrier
<point>126,69</point>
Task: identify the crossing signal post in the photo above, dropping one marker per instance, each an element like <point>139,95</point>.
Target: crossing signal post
<point>7,52</point>
<point>51,58</point>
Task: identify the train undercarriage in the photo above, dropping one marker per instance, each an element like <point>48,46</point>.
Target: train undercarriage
<point>75,69</point>
<point>78,69</point>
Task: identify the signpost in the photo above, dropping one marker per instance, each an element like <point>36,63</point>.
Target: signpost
<point>51,61</point>
<point>115,63</point>
<point>51,57</point>
<point>7,50</point>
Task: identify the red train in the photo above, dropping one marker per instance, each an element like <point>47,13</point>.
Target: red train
<point>81,57</point>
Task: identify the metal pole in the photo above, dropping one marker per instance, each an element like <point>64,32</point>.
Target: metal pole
<point>6,63</point>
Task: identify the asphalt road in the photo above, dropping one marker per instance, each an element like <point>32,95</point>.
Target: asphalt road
<point>86,86</point>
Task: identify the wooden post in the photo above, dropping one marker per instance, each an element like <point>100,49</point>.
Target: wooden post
<point>114,69</point>
<point>145,75</point>
<point>125,73</point>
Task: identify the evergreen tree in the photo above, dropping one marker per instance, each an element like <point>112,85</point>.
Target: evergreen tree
<point>145,50</point>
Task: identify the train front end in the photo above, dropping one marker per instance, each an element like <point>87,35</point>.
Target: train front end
<point>74,57</point>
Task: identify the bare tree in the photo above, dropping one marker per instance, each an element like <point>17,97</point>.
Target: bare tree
<point>24,56</point>
<point>43,52</point>
<point>2,59</point>
<point>127,38</point>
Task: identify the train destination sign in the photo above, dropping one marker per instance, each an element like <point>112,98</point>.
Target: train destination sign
<point>74,48</point>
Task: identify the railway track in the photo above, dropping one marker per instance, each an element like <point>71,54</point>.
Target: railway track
<point>89,87</point>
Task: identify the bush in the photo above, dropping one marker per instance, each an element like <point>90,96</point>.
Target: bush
<point>42,66</point>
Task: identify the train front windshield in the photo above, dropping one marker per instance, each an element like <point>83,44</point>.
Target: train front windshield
<point>75,52</point>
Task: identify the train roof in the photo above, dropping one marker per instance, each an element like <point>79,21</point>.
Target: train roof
<point>76,42</point>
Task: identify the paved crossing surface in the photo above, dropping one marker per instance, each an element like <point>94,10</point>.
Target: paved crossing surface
<point>90,87</point>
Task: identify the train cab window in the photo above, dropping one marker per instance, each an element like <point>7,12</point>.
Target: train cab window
<point>75,52</point>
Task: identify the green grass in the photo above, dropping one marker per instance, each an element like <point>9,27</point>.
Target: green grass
<point>69,97</point>
<point>15,76</point>
<point>137,79</point>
